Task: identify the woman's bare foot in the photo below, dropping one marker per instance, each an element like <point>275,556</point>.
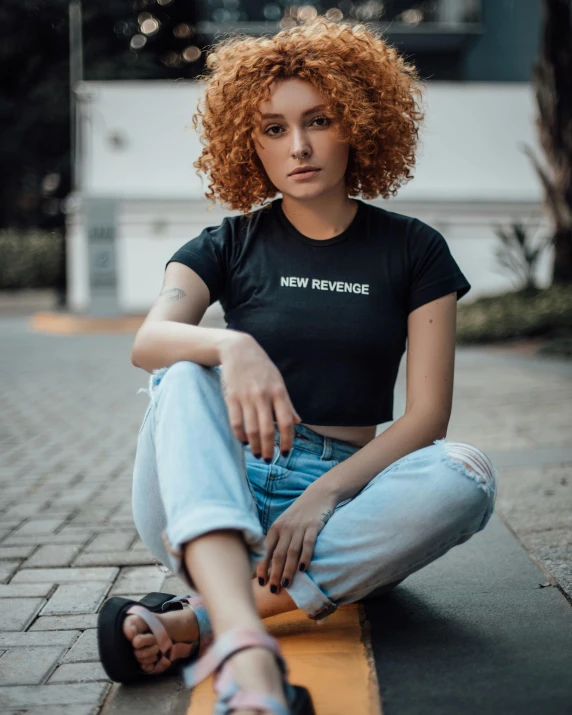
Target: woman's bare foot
<point>253,668</point>
<point>181,625</point>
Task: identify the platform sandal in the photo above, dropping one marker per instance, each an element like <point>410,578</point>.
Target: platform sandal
<point>116,651</point>
<point>230,696</point>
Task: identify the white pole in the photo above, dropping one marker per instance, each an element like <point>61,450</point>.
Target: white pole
<point>76,76</point>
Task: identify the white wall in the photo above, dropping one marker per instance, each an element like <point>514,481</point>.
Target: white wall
<point>469,142</point>
<point>470,174</point>
<point>153,120</point>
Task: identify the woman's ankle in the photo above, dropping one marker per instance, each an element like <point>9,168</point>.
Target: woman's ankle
<point>242,615</point>
<point>257,669</point>
<point>181,624</point>
<point>233,624</point>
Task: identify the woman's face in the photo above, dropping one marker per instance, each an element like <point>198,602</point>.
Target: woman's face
<point>299,133</point>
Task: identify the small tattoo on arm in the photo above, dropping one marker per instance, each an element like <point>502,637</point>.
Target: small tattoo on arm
<point>326,516</point>
<point>171,295</point>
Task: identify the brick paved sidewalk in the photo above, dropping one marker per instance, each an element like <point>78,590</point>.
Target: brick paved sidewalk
<point>68,425</point>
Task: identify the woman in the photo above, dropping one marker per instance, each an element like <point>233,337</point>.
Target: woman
<point>257,456</point>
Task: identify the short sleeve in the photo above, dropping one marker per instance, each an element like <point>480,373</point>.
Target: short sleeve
<point>433,271</point>
<point>207,254</point>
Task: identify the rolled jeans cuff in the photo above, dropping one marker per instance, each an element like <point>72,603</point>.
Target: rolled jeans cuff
<point>309,597</point>
<point>204,519</point>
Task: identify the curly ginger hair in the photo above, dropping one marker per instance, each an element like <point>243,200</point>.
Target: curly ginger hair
<point>370,91</point>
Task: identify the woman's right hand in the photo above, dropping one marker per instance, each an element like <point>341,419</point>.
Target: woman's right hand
<point>253,388</point>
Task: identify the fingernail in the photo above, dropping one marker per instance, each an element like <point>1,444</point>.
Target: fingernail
<point>273,588</point>
<point>286,452</point>
<point>245,443</point>
<point>261,580</point>
<point>267,460</point>
<point>302,567</point>
<point>258,456</point>
<point>285,582</point>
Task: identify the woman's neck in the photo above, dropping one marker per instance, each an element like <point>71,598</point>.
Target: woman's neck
<point>320,218</point>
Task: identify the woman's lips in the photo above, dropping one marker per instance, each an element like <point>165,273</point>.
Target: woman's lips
<point>300,176</point>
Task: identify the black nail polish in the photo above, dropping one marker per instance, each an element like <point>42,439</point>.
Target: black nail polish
<point>267,460</point>
<point>286,452</point>
<point>261,581</point>
<point>302,567</point>
<point>258,456</point>
<point>245,443</point>
<point>273,588</point>
<point>285,582</point>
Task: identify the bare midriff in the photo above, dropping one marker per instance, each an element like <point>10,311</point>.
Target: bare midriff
<point>359,436</point>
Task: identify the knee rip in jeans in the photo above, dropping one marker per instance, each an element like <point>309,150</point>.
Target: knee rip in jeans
<point>154,379</point>
<point>472,462</point>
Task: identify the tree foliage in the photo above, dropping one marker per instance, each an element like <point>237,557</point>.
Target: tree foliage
<point>518,253</point>
<point>34,93</point>
<point>552,79</point>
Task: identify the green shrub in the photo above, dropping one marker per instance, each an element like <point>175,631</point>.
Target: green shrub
<point>31,259</point>
<point>518,314</point>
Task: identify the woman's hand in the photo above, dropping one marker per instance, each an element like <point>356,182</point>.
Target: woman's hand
<point>291,538</point>
<point>253,388</point>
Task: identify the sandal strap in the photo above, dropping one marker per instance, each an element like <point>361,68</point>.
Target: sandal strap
<point>174,651</point>
<point>224,647</point>
<point>196,604</point>
<point>250,700</point>
<point>232,697</point>
<point>164,643</point>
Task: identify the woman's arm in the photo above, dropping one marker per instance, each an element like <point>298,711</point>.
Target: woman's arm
<point>254,390</point>
<point>171,333</point>
<point>430,369</point>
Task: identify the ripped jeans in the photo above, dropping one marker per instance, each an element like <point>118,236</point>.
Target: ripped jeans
<point>192,476</point>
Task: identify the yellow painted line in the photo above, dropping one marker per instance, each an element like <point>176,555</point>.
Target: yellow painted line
<point>67,324</point>
<point>332,658</point>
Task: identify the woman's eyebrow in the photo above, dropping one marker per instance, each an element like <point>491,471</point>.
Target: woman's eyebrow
<point>308,111</point>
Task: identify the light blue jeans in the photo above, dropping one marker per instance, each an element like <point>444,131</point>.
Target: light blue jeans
<point>192,476</point>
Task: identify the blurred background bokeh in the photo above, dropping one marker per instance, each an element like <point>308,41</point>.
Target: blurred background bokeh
<point>96,147</point>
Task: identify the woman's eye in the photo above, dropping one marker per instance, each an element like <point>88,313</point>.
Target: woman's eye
<point>325,122</point>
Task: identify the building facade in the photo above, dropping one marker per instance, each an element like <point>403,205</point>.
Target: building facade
<point>141,198</point>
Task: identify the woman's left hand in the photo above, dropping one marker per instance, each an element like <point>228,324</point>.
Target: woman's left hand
<point>291,538</point>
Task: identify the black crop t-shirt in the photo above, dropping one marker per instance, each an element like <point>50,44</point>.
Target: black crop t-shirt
<point>331,314</point>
